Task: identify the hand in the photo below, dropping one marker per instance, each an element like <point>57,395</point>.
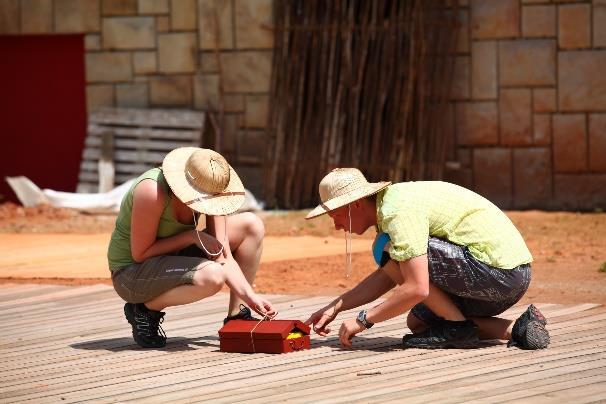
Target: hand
<point>262,306</point>
<point>321,318</point>
<point>348,329</point>
<point>209,244</point>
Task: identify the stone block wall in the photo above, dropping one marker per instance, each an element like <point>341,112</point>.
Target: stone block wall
<point>170,54</point>
<point>530,103</point>
<point>529,95</point>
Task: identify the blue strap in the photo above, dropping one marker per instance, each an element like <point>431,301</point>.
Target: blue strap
<point>379,246</point>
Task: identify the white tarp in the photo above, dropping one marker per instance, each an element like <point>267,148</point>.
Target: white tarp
<point>30,194</point>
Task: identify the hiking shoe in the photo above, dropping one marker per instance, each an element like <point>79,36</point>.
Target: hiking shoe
<point>446,334</point>
<point>147,331</point>
<point>243,314</point>
<point>529,330</point>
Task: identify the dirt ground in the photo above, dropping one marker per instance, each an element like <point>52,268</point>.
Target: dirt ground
<point>569,251</point>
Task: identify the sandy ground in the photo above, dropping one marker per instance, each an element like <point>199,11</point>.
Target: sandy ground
<point>569,250</point>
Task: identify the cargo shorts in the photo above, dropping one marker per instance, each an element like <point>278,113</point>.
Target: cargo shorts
<point>142,282</point>
<point>476,288</point>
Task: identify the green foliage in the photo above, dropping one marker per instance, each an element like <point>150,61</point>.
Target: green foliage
<point>603,268</point>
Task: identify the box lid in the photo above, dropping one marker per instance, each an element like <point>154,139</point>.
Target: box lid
<point>274,329</point>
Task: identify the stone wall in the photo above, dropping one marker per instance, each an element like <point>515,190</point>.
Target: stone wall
<point>530,90</point>
<point>530,110</point>
<point>169,54</point>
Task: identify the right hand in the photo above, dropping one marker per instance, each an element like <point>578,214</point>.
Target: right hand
<point>321,318</point>
<point>211,244</point>
<point>262,306</point>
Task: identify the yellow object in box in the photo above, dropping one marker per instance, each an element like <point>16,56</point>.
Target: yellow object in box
<point>294,334</point>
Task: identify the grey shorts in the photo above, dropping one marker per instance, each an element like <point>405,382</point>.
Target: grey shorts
<point>141,282</point>
<point>476,288</point>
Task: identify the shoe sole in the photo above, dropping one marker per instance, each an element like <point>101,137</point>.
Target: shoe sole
<point>537,336</point>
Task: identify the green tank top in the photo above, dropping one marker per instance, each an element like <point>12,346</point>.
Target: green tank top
<point>118,253</point>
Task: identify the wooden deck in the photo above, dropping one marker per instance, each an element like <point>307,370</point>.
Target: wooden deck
<point>68,344</point>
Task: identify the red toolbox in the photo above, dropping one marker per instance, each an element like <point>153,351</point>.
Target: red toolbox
<point>275,336</point>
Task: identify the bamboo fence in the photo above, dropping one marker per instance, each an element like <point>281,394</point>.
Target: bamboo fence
<point>361,84</point>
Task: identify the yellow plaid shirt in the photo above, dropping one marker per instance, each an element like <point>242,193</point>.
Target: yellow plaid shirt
<point>411,212</point>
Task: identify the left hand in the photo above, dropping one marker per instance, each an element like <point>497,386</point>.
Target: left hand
<point>348,329</point>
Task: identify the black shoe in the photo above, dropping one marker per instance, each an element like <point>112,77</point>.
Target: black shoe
<point>446,334</point>
<point>529,330</point>
<point>147,331</point>
<point>244,314</point>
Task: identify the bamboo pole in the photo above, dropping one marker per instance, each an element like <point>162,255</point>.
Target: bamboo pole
<point>357,83</point>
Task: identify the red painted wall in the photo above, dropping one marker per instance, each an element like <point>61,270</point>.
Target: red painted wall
<point>42,110</point>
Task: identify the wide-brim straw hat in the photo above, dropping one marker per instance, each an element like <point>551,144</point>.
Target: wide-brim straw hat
<point>203,180</point>
<point>343,186</point>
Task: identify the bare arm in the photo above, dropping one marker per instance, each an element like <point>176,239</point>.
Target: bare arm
<point>372,287</point>
<point>413,290</point>
<point>148,204</point>
<point>234,277</point>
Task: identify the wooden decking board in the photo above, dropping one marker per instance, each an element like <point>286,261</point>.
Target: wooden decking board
<point>52,353</point>
<point>124,342</point>
<point>323,373</point>
<point>538,387</point>
<point>106,320</point>
<point>53,297</point>
<point>429,390</point>
<point>128,343</point>
<point>227,369</point>
<point>522,376</point>
<point>432,371</point>
<point>10,293</point>
<point>397,366</point>
<point>114,322</point>
<point>241,356</point>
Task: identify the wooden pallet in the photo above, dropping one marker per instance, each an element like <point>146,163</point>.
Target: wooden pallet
<point>68,344</point>
<point>129,141</point>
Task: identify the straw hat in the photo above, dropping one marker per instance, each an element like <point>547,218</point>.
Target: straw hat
<point>342,186</point>
<point>202,179</point>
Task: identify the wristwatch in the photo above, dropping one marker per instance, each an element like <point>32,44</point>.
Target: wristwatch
<point>362,319</point>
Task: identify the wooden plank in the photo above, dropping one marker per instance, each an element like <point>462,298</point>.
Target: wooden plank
<point>329,383</point>
<point>263,370</point>
<point>165,144</point>
<point>152,137</point>
<point>148,117</point>
<point>92,178</point>
<point>142,139</point>
<point>106,162</point>
<point>125,156</point>
<point>19,291</point>
<point>429,368</point>
<point>66,357</point>
<point>542,387</point>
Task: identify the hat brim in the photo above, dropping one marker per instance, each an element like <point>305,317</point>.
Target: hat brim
<point>173,168</point>
<point>342,200</point>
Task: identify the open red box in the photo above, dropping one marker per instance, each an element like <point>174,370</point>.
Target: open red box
<point>275,336</point>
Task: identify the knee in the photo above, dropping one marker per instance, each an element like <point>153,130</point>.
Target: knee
<point>414,324</point>
<point>211,276</point>
<point>254,226</point>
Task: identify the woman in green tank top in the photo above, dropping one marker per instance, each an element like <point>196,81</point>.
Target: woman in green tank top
<point>157,256</point>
